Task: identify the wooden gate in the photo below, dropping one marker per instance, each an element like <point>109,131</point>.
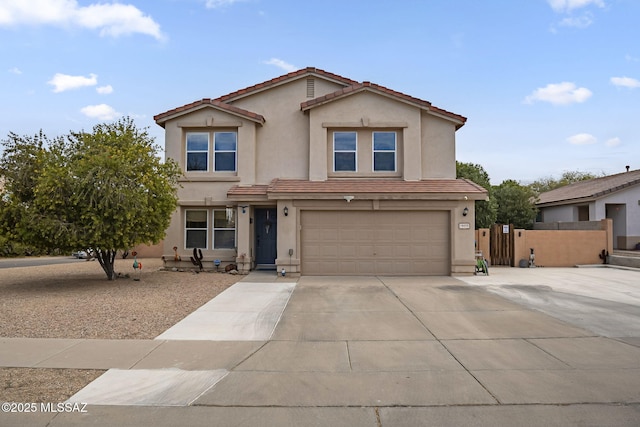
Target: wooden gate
<point>501,244</point>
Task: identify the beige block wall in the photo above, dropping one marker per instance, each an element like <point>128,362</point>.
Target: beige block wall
<point>564,248</point>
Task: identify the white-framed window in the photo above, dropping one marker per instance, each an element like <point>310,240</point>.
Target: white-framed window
<point>197,152</point>
<point>345,149</point>
<point>384,151</point>
<point>196,228</point>
<point>224,228</point>
<point>225,146</point>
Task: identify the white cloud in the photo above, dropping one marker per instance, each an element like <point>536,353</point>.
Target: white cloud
<point>112,19</point>
<point>281,64</point>
<point>577,22</point>
<point>569,5</point>
<point>100,111</point>
<point>613,142</point>
<point>629,82</point>
<point>62,82</point>
<point>559,94</point>
<point>15,70</point>
<point>104,90</point>
<point>213,4</point>
<point>582,139</point>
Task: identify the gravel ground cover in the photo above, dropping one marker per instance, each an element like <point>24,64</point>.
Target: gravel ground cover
<point>77,301</point>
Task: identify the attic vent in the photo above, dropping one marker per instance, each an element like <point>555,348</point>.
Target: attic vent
<point>311,86</point>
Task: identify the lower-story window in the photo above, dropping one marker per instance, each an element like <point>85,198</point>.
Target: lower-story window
<point>196,229</point>
<point>223,226</point>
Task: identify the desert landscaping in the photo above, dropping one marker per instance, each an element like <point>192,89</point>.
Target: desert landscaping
<point>77,301</point>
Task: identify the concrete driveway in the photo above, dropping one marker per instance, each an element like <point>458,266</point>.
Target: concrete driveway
<point>394,351</point>
<point>603,300</point>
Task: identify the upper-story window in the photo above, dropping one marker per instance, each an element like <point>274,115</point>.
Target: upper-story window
<point>225,145</point>
<point>384,151</point>
<point>224,151</point>
<point>345,148</point>
<point>198,151</point>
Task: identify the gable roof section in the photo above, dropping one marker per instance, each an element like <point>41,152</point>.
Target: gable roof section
<point>381,90</point>
<point>162,118</point>
<point>384,188</point>
<point>589,190</point>
<point>350,87</point>
<point>286,78</point>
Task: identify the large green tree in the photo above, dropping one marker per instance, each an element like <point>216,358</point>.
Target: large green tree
<point>486,210</point>
<point>105,190</point>
<point>516,204</point>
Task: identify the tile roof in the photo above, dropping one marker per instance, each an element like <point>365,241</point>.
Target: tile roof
<point>359,87</point>
<point>351,86</point>
<point>590,189</point>
<point>363,186</point>
<point>163,117</point>
<point>285,78</point>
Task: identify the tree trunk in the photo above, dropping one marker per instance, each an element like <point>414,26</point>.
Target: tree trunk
<point>107,259</point>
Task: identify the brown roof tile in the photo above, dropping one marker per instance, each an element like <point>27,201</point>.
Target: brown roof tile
<point>358,87</point>
<point>253,190</point>
<point>590,189</point>
<point>375,186</point>
<point>298,187</point>
<point>161,118</point>
<point>284,78</point>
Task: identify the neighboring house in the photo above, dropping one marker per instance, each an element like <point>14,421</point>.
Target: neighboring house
<point>615,196</point>
<point>315,173</point>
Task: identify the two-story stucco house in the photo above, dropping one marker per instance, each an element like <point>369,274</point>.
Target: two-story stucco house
<point>318,174</point>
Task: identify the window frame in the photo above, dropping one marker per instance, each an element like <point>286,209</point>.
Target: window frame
<point>187,152</point>
<point>234,151</point>
<point>214,228</point>
<point>354,151</point>
<point>374,151</point>
<point>187,229</point>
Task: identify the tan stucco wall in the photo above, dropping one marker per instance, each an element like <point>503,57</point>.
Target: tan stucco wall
<point>365,111</point>
<point>438,148</point>
<point>283,147</point>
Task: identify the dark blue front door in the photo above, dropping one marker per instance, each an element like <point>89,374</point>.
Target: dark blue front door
<point>266,230</point>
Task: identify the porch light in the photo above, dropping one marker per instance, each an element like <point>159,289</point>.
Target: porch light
<point>244,209</point>
<point>286,211</point>
<point>465,211</point>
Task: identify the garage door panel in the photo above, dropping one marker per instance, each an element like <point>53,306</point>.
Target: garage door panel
<point>375,242</point>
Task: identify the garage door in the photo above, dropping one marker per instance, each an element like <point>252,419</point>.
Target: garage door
<point>375,243</point>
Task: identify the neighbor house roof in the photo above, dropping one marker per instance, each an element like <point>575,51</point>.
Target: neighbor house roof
<point>294,188</point>
<point>589,190</point>
<point>350,87</point>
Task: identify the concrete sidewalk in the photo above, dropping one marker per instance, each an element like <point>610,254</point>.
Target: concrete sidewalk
<point>360,351</point>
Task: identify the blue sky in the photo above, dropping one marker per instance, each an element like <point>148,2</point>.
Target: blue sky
<point>547,85</point>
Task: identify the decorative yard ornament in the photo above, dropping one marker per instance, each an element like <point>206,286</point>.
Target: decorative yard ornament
<point>137,266</point>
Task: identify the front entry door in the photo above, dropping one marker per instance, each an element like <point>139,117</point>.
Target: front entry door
<point>266,230</point>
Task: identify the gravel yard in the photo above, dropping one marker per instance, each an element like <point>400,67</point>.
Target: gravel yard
<point>77,301</point>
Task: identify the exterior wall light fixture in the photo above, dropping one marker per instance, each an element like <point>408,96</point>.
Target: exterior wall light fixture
<point>244,209</point>
<point>286,211</point>
<point>465,211</point>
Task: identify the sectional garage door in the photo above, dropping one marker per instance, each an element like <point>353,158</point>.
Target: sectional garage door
<point>375,243</point>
